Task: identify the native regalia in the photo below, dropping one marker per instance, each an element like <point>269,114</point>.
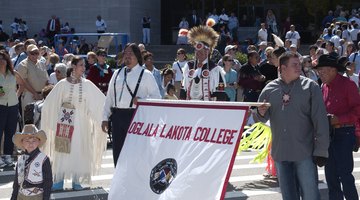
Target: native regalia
<point>202,80</point>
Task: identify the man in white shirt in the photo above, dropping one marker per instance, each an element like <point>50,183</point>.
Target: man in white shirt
<point>100,25</point>
<point>224,18</point>
<point>346,33</point>
<point>354,18</point>
<point>336,39</point>
<point>126,86</point>
<point>350,73</point>
<point>293,36</point>
<point>15,28</point>
<point>262,34</point>
<point>214,16</point>
<point>354,32</point>
<point>355,57</point>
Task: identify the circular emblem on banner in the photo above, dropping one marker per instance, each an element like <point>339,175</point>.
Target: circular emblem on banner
<point>37,164</point>
<point>205,73</point>
<point>162,175</point>
<point>191,73</point>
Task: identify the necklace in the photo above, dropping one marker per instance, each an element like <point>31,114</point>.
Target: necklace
<point>72,79</point>
<point>286,97</point>
<point>72,89</point>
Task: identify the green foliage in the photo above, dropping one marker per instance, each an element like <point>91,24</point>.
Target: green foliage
<point>111,62</point>
<point>190,56</point>
<point>241,57</point>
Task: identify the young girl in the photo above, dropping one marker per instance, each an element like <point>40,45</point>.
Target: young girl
<point>170,92</point>
<point>167,78</point>
<point>33,178</point>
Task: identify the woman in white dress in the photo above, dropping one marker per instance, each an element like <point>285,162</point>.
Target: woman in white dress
<point>72,121</point>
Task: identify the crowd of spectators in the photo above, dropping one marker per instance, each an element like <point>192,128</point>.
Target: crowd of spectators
<point>45,37</point>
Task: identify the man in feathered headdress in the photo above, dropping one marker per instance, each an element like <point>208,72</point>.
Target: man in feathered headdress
<point>202,76</point>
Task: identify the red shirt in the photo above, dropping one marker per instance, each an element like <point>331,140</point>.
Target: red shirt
<point>342,99</point>
<point>100,78</point>
<point>247,77</point>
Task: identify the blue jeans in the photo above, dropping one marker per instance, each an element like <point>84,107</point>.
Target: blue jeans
<point>146,35</point>
<point>298,178</point>
<point>339,167</point>
<point>8,122</point>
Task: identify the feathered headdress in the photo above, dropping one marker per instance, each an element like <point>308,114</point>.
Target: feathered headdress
<point>203,36</point>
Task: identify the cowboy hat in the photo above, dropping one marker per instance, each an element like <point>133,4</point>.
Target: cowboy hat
<point>330,61</point>
<point>29,130</point>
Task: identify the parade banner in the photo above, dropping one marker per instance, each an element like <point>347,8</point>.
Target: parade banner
<point>179,150</point>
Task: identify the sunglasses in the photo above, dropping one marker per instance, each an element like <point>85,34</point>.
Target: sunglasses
<point>34,53</point>
<point>230,60</point>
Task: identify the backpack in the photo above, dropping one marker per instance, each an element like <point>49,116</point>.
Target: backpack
<point>32,113</point>
<point>29,113</point>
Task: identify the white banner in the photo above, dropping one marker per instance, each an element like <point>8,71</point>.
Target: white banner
<point>179,150</point>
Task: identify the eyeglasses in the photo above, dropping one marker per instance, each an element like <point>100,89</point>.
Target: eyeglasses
<point>34,53</point>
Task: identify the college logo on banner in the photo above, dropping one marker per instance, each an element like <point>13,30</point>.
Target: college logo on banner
<point>162,175</point>
<point>179,150</point>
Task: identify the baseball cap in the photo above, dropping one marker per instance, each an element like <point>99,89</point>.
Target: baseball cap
<point>263,43</point>
<point>228,47</point>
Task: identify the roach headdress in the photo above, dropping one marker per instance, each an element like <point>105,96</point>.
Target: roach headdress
<point>203,37</point>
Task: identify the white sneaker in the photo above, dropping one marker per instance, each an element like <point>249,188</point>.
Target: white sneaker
<point>2,163</point>
<point>9,161</point>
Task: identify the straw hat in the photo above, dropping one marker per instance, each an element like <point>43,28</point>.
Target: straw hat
<point>32,47</point>
<point>29,130</point>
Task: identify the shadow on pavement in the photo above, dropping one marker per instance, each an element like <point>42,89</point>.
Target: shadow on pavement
<point>92,193</point>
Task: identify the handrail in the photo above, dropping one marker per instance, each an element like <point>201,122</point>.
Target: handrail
<point>124,39</point>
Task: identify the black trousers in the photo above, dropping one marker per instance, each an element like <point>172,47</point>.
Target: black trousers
<point>120,122</point>
<point>251,95</point>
